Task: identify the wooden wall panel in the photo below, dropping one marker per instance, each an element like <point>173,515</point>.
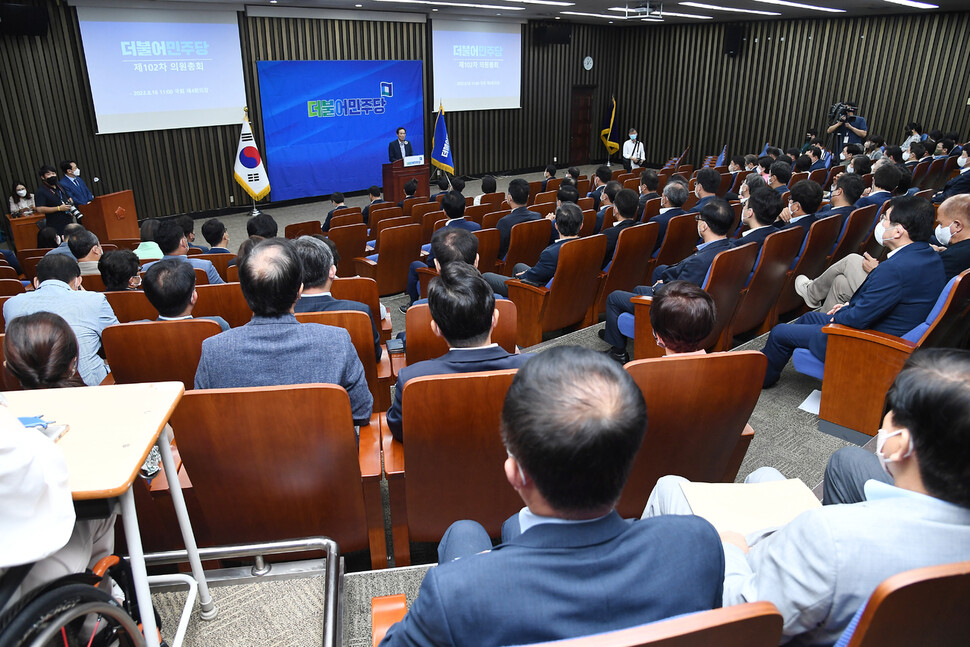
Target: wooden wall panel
<point>671,82</point>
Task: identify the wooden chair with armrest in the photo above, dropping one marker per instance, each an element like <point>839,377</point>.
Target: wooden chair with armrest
<point>193,251</point>
<point>131,305</point>
<point>280,462</point>
<point>400,246</point>
<point>220,262</point>
<point>766,281</point>
<point>476,213</point>
<point>387,223</point>
<point>860,365</point>
<point>232,273</point>
<point>650,209</point>
<point>343,211</point>
<point>697,422</point>
<point>305,228</point>
<point>631,262</point>
<point>526,242</point>
<point>545,196</point>
<point>356,218</point>
<point>724,282</point>
<point>156,351</point>
<point>409,203</point>
<point>923,606</point>
<point>351,242</point>
<point>428,221</point>
<point>357,323</point>
<point>589,222</point>
<point>225,300</point>
<point>11,287</point>
<point>24,254</point>
<point>29,266</point>
<point>679,240</point>
<point>565,301</point>
<point>436,476</point>
<point>810,262</point>
<point>423,344</point>
<point>488,244</point>
<point>418,211</point>
<point>380,211</point>
<point>363,290</point>
<point>855,230</point>
<point>535,188</point>
<point>490,219</point>
<point>493,198</point>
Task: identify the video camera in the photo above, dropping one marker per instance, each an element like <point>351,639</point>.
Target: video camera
<point>840,111</point>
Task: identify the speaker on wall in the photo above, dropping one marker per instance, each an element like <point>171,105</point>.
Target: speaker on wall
<point>553,32</point>
<point>733,39</point>
<point>22,20</point>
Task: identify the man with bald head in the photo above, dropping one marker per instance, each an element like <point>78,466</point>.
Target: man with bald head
<point>274,348</point>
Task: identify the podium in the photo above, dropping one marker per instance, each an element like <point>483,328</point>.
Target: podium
<point>396,176</point>
<point>111,216</point>
<point>24,231</point>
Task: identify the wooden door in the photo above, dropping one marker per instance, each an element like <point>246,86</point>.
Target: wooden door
<point>581,114</point>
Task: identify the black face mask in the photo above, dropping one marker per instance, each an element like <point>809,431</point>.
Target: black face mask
<point>52,180</point>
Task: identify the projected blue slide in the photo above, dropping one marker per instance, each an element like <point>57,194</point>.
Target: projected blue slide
<point>327,124</point>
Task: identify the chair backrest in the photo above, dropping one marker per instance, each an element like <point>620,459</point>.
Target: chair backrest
<point>543,208</point>
<point>131,305</point>
<point>427,224</point>
<point>351,241</point>
<point>797,177</point>
<point>632,183</point>
<point>347,219</point>
<point>448,475</point>
<point>156,351</point>
<point>91,282</point>
<point>380,211</point>
<point>818,176</point>
<point>399,247</point>
<point>631,258</point>
<point>589,222</point>
<point>343,211</point>
<point>126,243</point>
<point>423,344</point>
<point>919,172</point>
<point>924,606</point>
<point>361,336</point>
<point>409,203</point>
<point>833,173</point>
<point>224,300</point>
<point>11,287</point>
<point>24,254</point>
<point>29,265</point>
<point>650,209</point>
<point>947,323</point>
<point>526,242</point>
<point>418,210</point>
<point>360,289</point>
<point>534,188</point>
<point>232,273</point>
<point>739,179</point>
<point>306,228</point>
<point>193,251</point>
<point>388,223</point>
<point>488,244</point>
<point>583,185</point>
<point>585,202</point>
<point>767,280</point>
<point>490,219</point>
<point>754,624</point>
<point>697,408</point>
<point>854,232</point>
<point>493,198</point>
<point>575,282</point>
<point>273,463</point>
<point>220,262</point>
<point>476,213</point>
<point>679,240</point>
<point>546,196</point>
<point>726,278</point>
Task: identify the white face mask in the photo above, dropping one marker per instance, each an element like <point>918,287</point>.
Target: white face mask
<point>843,156</point>
<point>881,439</point>
<point>906,156</point>
<point>943,234</point>
<point>77,172</point>
<point>849,169</point>
<point>22,193</point>
<point>879,233</point>
<point>962,161</point>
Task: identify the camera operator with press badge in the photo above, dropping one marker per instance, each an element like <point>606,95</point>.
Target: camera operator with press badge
<point>849,127</point>
<point>51,201</point>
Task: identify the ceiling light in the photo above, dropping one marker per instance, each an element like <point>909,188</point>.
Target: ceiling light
<point>592,15</point>
<point>799,5</point>
<point>914,5</point>
<point>554,3</point>
<point>686,15</point>
<point>454,4</point>
<point>698,5</point>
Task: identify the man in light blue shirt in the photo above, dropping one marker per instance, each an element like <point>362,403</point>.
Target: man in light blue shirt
<point>171,240</point>
<point>88,313</point>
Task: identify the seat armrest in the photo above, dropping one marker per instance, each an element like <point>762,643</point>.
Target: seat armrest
<point>644,345</point>
<point>369,452</point>
<point>393,450</point>
<point>385,611</point>
<point>530,302</point>
<point>366,267</point>
<point>870,337</point>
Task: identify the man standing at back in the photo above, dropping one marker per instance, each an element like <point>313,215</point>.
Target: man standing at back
<point>274,348</point>
<point>173,243</point>
<point>518,198</point>
<point>568,564</point>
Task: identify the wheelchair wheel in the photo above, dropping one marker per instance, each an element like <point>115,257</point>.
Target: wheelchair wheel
<point>58,616</point>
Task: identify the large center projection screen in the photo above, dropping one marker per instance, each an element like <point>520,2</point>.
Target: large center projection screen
<point>477,65</point>
<point>155,69</point>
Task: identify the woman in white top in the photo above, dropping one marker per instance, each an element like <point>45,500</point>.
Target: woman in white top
<point>914,134</point>
<point>21,202</point>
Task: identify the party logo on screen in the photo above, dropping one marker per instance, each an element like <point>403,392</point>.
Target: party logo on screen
<point>387,89</point>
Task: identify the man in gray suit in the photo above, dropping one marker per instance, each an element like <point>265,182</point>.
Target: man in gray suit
<point>274,348</point>
<point>821,568</point>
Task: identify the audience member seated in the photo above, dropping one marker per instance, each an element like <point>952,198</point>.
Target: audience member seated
<point>959,184</point>
<point>821,568</point>
<point>319,271</point>
<point>547,175</point>
<point>216,234</point>
<point>337,198</point>
<point>518,198</point>
<point>803,164</point>
<point>409,188</point>
<point>119,270</point>
<point>566,193</point>
<point>39,523</point>
<point>88,313</point>
<point>244,248</point>
<point>488,186</point>
<point>751,182</point>
<point>463,312</point>
<point>606,200</point>
<point>682,316</point>
<point>48,238</point>
<point>758,216</point>
<point>602,175</point>
<point>713,223</point>
<point>568,564</point>
<point>171,240</point>
<point>818,164</point>
<point>457,184</point>
<point>86,248</point>
<point>443,188</point>
<point>845,193</point>
<point>453,204</point>
<point>568,222</point>
<point>625,211</point>
<point>708,181</point>
<point>170,288</point>
<point>21,201</point>
<point>885,179</point>
<point>148,249</point>
<point>374,193</point>
<point>898,294</point>
<point>673,198</point>
<point>649,182</point>
<point>804,201</point>
<point>860,165</point>
<point>187,223</point>
<point>953,234</point>
<point>779,175</point>
<point>262,225</point>
<point>64,247</point>
<point>274,348</point>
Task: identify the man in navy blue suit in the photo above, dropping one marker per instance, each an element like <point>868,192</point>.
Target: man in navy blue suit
<point>374,193</point>
<point>818,163</point>
<point>400,147</point>
<point>779,175</point>
<point>897,295</point>
<point>758,216</point>
<point>462,312</point>
<point>885,179</point>
<point>568,222</point>
<point>600,178</point>
<point>649,181</point>
<point>708,181</point>
<point>847,190</point>
<point>804,201</point>
<point>606,200</point>
<point>319,271</point>
<point>713,223</point>
<point>671,200</point>
<point>73,185</point>
<point>959,184</point>
<point>625,208</point>
<point>518,197</point>
<point>568,564</point>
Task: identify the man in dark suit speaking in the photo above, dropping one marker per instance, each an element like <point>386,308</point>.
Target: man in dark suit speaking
<point>400,147</point>
<point>568,565</point>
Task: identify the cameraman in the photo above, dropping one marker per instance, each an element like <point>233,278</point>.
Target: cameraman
<point>51,201</point>
<point>850,128</point>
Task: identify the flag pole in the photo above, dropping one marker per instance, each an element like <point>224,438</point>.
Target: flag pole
<point>255,211</point>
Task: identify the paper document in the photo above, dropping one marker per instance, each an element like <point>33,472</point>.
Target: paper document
<point>749,507</point>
